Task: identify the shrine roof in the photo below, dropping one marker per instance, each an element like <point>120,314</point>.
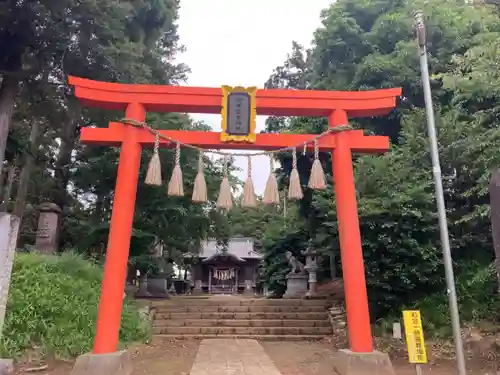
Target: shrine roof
<point>239,247</point>
<point>219,254</point>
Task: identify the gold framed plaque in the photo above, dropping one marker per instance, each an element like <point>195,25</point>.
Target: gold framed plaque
<point>239,112</point>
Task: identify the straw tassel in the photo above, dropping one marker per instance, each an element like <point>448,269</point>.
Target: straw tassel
<point>317,177</point>
<point>200,186</point>
<point>176,186</point>
<point>249,191</point>
<point>225,199</point>
<point>271,194</point>
<point>153,175</point>
<point>295,190</point>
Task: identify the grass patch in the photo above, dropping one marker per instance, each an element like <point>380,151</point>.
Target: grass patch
<point>52,307</point>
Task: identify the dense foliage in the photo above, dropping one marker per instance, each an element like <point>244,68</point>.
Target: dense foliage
<point>52,307</point>
<point>369,45</point>
<point>126,41</point>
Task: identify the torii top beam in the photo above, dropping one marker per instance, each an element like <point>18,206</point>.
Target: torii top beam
<point>272,102</point>
<point>277,102</point>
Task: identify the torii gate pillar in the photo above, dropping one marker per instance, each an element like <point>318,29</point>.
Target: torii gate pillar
<point>122,217</point>
<point>353,268</point>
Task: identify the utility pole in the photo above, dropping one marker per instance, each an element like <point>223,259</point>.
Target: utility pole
<point>436,171</point>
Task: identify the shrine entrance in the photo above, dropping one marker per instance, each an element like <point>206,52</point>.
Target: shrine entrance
<point>132,134</point>
<point>223,273</point>
<point>223,280</point>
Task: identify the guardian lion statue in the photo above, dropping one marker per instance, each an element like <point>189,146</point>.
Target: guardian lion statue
<point>297,266</point>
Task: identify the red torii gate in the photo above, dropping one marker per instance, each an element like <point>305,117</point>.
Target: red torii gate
<point>136,100</point>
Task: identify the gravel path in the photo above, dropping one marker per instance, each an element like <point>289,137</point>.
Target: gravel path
<point>291,358</point>
<point>172,358</point>
<point>317,358</point>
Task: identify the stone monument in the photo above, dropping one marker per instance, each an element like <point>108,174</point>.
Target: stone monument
<point>47,235</point>
<point>311,268</point>
<point>296,280</point>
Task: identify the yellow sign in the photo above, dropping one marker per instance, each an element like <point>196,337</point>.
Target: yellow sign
<point>414,336</point>
<point>239,112</point>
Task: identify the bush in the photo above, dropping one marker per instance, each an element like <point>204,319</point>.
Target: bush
<point>52,307</point>
<point>478,301</point>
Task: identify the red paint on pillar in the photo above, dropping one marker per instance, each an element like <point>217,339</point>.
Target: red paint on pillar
<point>120,232</point>
<point>353,269</point>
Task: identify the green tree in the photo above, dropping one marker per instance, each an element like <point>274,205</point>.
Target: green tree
<point>371,45</point>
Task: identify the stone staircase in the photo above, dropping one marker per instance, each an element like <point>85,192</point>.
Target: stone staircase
<point>236,317</point>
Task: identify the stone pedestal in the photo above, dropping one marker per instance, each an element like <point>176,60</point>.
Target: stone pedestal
<point>118,363</point>
<point>47,235</point>
<point>6,366</point>
<point>374,363</point>
<point>296,285</point>
<point>157,287</point>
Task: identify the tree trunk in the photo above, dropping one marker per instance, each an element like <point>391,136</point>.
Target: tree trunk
<point>8,188</point>
<point>24,177</point>
<point>494,190</point>
<point>8,92</point>
<point>68,136</point>
<point>2,177</point>
<point>333,266</point>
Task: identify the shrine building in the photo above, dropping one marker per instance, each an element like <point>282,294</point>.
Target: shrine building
<point>231,271</point>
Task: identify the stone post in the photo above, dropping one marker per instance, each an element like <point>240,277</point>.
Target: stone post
<point>47,235</point>
<point>9,228</point>
<point>311,268</point>
<point>248,288</point>
<point>142,291</point>
<point>197,288</point>
<point>266,292</point>
<point>209,280</point>
<point>172,290</point>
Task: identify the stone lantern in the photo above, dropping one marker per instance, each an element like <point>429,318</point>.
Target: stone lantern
<point>311,267</point>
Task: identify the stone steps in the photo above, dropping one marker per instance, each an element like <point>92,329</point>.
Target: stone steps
<point>241,323</point>
<point>228,301</point>
<point>233,317</point>
<point>240,316</point>
<point>239,309</point>
<point>163,338</point>
<point>188,330</point>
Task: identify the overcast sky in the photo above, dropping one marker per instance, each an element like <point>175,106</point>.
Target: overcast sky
<point>240,42</point>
